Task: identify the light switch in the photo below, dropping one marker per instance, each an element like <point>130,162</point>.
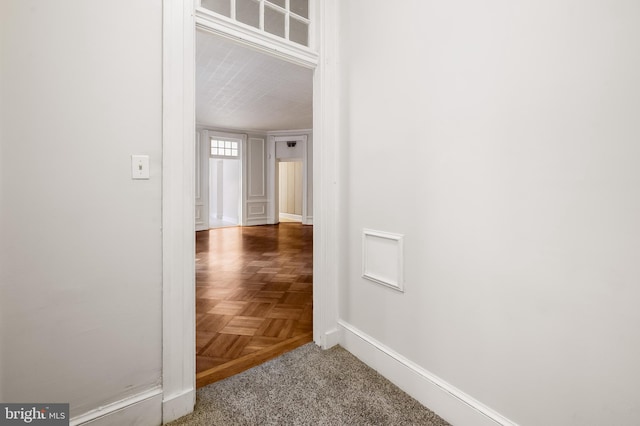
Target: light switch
<point>139,167</point>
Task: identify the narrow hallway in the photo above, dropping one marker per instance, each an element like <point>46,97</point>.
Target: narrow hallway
<point>253,296</point>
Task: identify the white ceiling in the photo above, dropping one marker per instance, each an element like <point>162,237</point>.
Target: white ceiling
<point>240,88</point>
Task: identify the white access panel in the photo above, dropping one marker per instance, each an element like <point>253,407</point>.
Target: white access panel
<point>382,258</point>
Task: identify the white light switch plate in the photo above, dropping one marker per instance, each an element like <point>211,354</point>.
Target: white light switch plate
<point>139,167</point>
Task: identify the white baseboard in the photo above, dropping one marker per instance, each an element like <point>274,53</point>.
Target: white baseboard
<point>330,339</point>
<point>308,221</point>
<point>448,402</point>
<point>143,409</point>
<point>178,406</point>
<point>290,216</point>
<point>257,221</point>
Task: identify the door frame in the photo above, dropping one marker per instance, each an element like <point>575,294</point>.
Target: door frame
<point>205,173</point>
<point>272,175</point>
<point>180,19</point>
<point>276,193</point>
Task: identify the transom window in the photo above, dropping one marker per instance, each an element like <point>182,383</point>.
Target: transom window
<point>288,19</point>
<point>224,147</point>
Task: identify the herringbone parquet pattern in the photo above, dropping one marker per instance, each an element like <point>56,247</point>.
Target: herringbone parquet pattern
<point>253,296</point>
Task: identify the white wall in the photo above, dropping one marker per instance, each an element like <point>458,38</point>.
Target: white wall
<point>508,136</point>
<point>80,245</point>
<point>283,151</point>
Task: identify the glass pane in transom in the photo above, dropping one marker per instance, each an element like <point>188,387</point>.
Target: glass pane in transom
<point>273,22</point>
<point>300,7</point>
<point>248,12</point>
<point>281,3</point>
<point>298,31</point>
<point>223,7</point>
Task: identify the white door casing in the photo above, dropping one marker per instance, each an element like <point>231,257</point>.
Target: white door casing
<point>272,173</point>
<point>178,175</point>
<point>289,189</point>
<point>204,175</point>
<point>178,201</point>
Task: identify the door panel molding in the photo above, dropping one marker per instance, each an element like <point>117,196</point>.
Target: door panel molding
<point>178,215</point>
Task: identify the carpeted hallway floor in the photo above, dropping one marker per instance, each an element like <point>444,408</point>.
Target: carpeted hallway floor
<point>308,386</point>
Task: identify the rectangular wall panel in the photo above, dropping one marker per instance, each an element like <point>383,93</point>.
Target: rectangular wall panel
<point>256,185</point>
<point>257,209</point>
<point>382,258</point>
<point>200,213</point>
<point>256,213</point>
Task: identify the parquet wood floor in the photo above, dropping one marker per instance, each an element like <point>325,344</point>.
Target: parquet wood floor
<point>253,296</point>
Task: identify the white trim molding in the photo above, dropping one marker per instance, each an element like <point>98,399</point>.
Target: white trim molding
<point>178,210</point>
<point>332,337</point>
<point>326,175</point>
<point>202,197</point>
<point>255,150</point>
<point>143,408</point>
<point>237,31</point>
<point>289,216</point>
<point>383,258</point>
<point>273,215</point>
<point>444,399</point>
<point>175,407</point>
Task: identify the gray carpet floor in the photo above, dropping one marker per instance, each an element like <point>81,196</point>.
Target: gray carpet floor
<point>308,386</point>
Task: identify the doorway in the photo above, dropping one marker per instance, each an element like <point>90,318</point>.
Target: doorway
<point>290,176</point>
<point>224,192</point>
<point>225,182</point>
<point>254,296</point>
<point>254,292</point>
<point>290,191</point>
<point>178,331</point>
